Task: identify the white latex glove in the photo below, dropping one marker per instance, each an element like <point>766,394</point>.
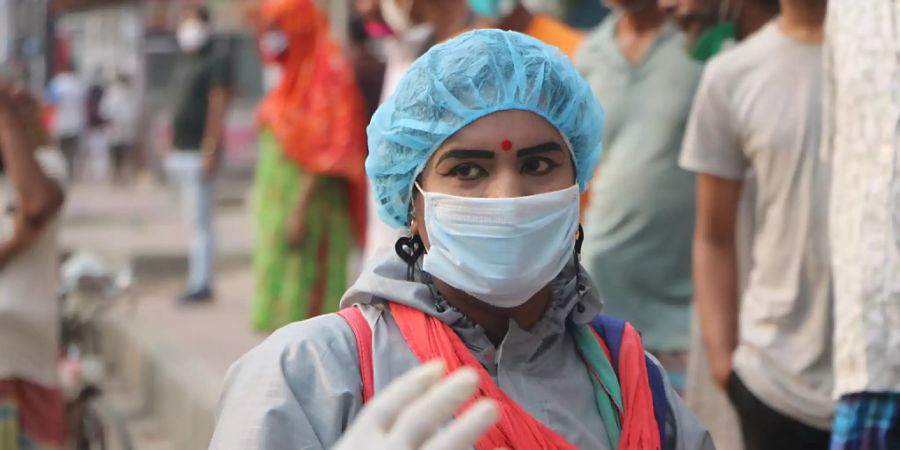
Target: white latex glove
<point>409,413</point>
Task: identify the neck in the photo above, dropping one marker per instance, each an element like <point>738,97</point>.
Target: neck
<point>643,21</point>
<point>495,320</point>
<point>751,18</point>
<point>447,17</point>
<point>518,20</point>
<point>803,20</point>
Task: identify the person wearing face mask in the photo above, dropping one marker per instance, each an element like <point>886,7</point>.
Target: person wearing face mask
<point>711,24</point>
<point>415,25</point>
<point>310,179</point>
<point>479,156</point>
<point>640,219</point>
<point>512,15</point>
<point>202,94</point>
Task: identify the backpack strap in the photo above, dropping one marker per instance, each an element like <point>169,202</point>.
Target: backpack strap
<point>610,331</point>
<point>363,333</point>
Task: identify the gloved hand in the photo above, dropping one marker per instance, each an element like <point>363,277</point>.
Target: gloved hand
<point>409,413</point>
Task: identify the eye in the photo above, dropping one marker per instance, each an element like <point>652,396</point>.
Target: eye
<point>467,172</point>
<point>538,166</point>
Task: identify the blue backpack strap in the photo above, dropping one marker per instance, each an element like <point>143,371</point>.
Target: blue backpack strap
<point>611,329</point>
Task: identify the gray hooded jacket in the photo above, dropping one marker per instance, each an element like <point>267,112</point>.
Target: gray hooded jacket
<point>301,388</point>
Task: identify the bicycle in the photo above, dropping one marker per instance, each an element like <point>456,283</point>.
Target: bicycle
<point>88,289</point>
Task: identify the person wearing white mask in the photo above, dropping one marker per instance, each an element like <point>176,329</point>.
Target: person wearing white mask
<point>202,95</point>
<point>479,156</point>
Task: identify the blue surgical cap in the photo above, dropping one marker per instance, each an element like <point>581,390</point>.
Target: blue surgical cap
<point>462,80</point>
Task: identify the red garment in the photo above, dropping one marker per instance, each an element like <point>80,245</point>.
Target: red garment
<point>33,413</point>
<point>429,339</point>
<point>639,427</point>
<point>317,112</point>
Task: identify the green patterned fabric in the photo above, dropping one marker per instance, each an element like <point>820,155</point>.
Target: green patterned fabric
<point>295,284</point>
<point>607,391</point>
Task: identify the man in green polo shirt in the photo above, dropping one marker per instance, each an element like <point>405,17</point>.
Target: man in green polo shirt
<point>202,92</point>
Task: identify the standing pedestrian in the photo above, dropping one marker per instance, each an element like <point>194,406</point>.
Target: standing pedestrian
<point>67,93</point>
<point>862,141</point>
<point>639,223</point>
<point>121,110</point>
<point>203,91</point>
<point>310,181</point>
<point>32,408</point>
<point>96,142</point>
<point>759,107</point>
<point>711,27</point>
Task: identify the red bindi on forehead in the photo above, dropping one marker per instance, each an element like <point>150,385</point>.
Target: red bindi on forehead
<point>506,145</point>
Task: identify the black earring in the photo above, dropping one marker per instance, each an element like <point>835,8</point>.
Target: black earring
<point>579,240</point>
<point>410,249</point>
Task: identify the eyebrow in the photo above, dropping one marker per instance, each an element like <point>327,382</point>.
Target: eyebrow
<point>466,154</point>
<point>538,149</point>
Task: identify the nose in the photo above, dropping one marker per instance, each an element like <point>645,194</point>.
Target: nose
<point>506,184</point>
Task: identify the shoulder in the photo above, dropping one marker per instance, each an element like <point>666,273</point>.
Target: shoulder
<point>299,386</point>
<point>325,336</point>
<point>739,61</point>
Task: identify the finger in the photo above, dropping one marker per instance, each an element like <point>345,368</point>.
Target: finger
<point>465,431</point>
<point>387,405</point>
<point>420,419</point>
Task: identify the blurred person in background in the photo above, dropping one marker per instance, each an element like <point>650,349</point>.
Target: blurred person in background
<point>310,181</point>
<point>513,15</point>
<point>202,94</point>
<point>415,25</point>
<point>759,107</point>
<point>95,141</point>
<point>640,219</point>
<point>67,94</point>
<point>711,25</point>
<point>862,144</point>
<point>32,408</point>
<point>369,70</point>
<point>121,109</point>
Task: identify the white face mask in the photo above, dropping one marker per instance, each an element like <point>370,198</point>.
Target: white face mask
<point>192,35</point>
<point>397,17</point>
<point>501,251</point>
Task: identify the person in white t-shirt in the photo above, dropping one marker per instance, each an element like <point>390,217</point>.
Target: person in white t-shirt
<point>67,92</point>
<point>759,107</point>
<point>32,408</point>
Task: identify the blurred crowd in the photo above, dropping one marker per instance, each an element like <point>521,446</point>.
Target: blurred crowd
<point>743,215</point>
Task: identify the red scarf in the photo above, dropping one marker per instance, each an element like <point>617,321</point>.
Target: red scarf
<point>429,339</point>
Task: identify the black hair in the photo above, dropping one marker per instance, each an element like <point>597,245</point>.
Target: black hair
<point>358,33</point>
<point>201,11</point>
